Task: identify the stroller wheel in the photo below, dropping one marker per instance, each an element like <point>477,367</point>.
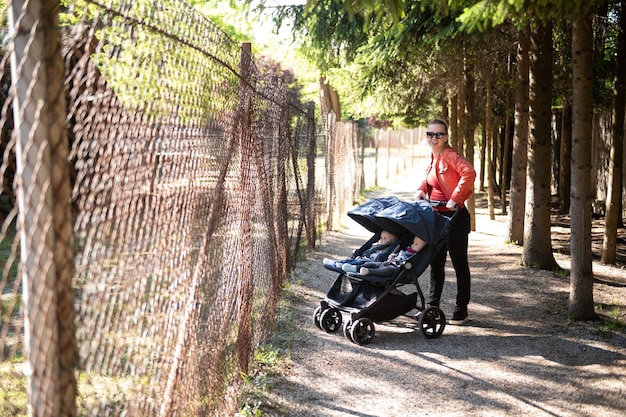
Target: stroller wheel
<point>362,331</point>
<point>432,322</point>
<point>330,320</point>
<point>316,316</point>
<point>347,326</point>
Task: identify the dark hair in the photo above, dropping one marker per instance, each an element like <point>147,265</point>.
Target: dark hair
<point>439,122</point>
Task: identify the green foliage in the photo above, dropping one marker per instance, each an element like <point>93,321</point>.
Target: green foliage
<point>370,58</point>
<point>109,391</point>
<point>560,272</point>
<point>392,67</point>
<point>485,14</point>
<point>227,15</point>
<point>273,50</point>
<point>491,13</point>
<point>9,306</point>
<point>3,13</point>
<point>395,65</point>
<point>250,410</point>
<point>531,264</point>
<point>612,318</point>
<point>9,251</point>
<point>144,67</point>
<point>329,33</point>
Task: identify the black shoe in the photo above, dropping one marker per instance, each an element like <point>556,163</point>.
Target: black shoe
<point>459,316</point>
<point>414,314</point>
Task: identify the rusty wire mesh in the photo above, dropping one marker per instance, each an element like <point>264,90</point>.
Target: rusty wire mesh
<point>188,191</point>
<point>359,158</point>
<point>158,184</point>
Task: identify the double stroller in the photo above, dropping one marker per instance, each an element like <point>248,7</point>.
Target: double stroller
<point>369,299</point>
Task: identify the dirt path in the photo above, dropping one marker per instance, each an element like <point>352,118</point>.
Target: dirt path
<point>518,355</point>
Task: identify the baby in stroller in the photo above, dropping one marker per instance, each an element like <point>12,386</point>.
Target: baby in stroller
<point>388,288</point>
<point>378,252</point>
<point>389,266</point>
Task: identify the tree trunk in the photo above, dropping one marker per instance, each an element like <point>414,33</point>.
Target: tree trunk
<point>565,172</point>
<point>484,137</point>
<point>519,158</point>
<point>329,100</point>
<point>506,156</point>
<point>491,181</point>
<point>470,128</point>
<point>609,244</point>
<point>453,123</point>
<point>460,141</point>
<point>483,151</point>
<point>581,277</point>
<point>537,251</point>
<point>445,113</point>
<point>496,152</point>
<point>487,140</point>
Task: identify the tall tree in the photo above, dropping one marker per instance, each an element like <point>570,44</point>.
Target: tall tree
<point>565,154</point>
<point>614,195</point>
<point>488,141</point>
<point>507,145</point>
<point>537,251</point>
<point>515,223</point>
<point>563,90</point>
<point>406,60</point>
<point>581,278</point>
<point>471,122</point>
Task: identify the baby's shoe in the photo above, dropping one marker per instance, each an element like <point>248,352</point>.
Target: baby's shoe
<point>329,262</point>
<point>364,271</point>
<point>349,268</point>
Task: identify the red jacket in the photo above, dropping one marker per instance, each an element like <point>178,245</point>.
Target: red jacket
<point>455,174</point>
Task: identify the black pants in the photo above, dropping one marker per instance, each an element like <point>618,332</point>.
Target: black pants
<point>456,244</point>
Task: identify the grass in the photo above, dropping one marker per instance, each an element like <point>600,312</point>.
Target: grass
<point>99,392</point>
<point>269,359</point>
<point>96,391</point>
<point>9,254</point>
<point>612,319</point>
<point>362,198</point>
<point>13,398</point>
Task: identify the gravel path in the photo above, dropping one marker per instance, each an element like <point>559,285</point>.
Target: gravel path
<point>518,355</point>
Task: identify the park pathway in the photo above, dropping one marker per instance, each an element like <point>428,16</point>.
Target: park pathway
<point>519,354</point>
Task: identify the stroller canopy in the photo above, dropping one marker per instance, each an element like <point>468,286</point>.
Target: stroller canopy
<point>365,213</point>
<point>416,217</point>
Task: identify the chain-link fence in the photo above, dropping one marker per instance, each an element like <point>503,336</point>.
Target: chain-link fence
<point>359,158</point>
<point>150,264</point>
<point>158,185</point>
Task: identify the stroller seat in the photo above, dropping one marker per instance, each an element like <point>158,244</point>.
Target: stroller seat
<point>418,261</point>
<point>379,256</point>
<point>379,279</point>
<point>365,215</point>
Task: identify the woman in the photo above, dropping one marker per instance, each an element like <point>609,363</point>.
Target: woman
<point>450,178</point>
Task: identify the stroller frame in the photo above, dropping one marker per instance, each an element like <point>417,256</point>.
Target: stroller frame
<point>369,299</point>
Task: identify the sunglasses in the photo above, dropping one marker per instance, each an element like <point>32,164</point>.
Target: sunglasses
<point>437,135</point>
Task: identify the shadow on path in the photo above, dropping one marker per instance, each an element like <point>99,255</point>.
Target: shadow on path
<point>519,354</point>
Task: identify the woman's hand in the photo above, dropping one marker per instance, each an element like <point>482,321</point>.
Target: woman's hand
<point>419,195</point>
<point>451,205</point>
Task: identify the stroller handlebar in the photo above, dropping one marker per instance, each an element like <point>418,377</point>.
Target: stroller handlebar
<point>442,203</point>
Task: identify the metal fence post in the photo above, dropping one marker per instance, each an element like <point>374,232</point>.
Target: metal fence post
<point>43,193</point>
<point>246,285</point>
<point>311,200</point>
